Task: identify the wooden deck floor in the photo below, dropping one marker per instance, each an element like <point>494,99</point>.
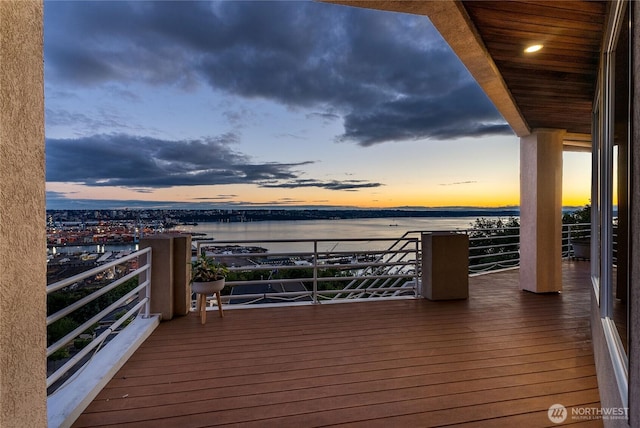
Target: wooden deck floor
<point>499,359</point>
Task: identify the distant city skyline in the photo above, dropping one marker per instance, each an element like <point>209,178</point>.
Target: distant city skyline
<point>269,104</point>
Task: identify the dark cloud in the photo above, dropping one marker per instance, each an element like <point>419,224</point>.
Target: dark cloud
<point>326,117</point>
<point>84,67</point>
<point>216,198</point>
<point>389,76</point>
<point>330,185</point>
<point>462,113</point>
<point>143,163</point>
<point>130,161</point>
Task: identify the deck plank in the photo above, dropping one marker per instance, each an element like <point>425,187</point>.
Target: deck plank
<point>500,358</point>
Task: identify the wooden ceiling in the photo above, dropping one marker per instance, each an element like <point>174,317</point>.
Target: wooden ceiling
<point>555,87</point>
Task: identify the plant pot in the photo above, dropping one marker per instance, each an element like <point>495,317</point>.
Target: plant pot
<point>581,248</point>
<point>209,287</point>
<point>202,289</point>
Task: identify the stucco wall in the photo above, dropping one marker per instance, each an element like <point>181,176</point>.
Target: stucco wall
<point>22,217</point>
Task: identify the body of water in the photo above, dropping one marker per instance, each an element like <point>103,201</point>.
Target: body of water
<point>321,229</point>
<point>367,228</point>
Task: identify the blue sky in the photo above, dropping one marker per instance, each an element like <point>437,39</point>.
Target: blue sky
<point>290,103</point>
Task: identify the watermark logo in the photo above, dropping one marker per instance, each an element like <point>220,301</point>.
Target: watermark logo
<point>557,413</point>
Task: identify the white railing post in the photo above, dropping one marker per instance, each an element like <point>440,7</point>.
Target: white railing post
<point>315,272</point>
<point>416,277</point>
<point>147,277</point>
<point>139,297</point>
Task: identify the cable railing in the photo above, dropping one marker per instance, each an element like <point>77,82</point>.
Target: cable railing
<point>320,270</point>
<point>497,248</point>
<point>317,270</point>
<point>87,310</point>
<point>573,235</point>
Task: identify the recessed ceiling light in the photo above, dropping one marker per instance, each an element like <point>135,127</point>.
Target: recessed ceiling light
<point>533,48</point>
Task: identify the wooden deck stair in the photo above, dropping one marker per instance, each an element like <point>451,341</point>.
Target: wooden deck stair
<point>499,359</point>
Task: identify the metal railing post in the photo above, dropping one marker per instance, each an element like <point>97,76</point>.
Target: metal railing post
<point>315,272</point>
<point>418,291</point>
<point>146,276</point>
<point>124,293</point>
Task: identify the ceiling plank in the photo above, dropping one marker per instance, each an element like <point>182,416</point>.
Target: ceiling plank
<point>553,88</point>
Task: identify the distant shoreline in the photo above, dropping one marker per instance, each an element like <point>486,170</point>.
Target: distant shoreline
<point>186,216</point>
<point>288,215</point>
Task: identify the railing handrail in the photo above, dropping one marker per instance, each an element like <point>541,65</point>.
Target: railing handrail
<point>142,306</point>
<point>92,272</point>
<point>380,270</point>
<point>100,339</point>
<point>503,251</point>
<point>497,233</point>
<point>93,296</point>
<point>290,240</point>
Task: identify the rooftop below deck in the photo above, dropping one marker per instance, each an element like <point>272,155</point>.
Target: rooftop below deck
<point>500,358</point>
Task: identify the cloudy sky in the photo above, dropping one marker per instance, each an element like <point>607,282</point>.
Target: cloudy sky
<point>263,104</point>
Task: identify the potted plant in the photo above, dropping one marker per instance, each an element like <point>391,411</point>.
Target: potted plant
<point>207,269</point>
<point>579,232</point>
<point>581,248</point>
<point>207,277</point>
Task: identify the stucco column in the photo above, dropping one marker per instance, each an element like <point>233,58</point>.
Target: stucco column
<point>541,211</point>
<point>23,260</point>
<point>181,274</point>
<point>162,299</point>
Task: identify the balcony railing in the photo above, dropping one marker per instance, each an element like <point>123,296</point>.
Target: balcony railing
<point>87,310</point>
<point>499,248</point>
<point>322,270</point>
<point>96,319</point>
<point>317,270</point>
<point>571,233</point>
